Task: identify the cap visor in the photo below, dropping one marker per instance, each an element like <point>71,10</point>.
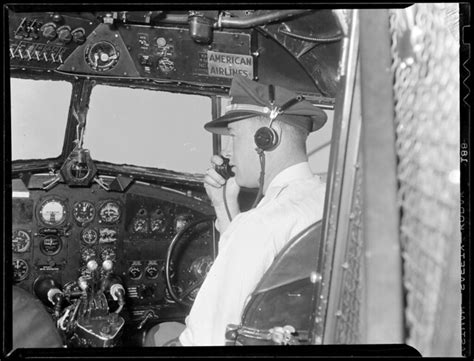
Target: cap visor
<point>219,125</point>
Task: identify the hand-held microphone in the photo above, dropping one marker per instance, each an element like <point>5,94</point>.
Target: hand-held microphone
<point>225,169</point>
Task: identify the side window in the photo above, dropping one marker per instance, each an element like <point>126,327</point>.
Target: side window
<point>319,146</point>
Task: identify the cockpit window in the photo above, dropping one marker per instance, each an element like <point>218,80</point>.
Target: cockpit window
<point>39,110</point>
<point>149,128</point>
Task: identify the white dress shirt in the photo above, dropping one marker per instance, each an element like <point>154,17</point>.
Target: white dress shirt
<point>293,201</point>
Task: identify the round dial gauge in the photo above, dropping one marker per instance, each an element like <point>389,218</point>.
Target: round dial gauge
<point>165,65</point>
<point>51,245</point>
<point>134,272</point>
<point>107,253</point>
<point>151,271</point>
<point>140,225</point>
<point>158,221</point>
<point>52,212</point>
<point>83,212</point>
<point>87,254</point>
<point>110,212</point>
<point>89,236</point>
<point>102,56</point>
<point>20,269</point>
<point>21,241</point>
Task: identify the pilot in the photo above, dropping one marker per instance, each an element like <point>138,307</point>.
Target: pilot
<point>268,127</point>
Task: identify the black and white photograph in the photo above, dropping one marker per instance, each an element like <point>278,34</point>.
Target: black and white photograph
<point>236,179</point>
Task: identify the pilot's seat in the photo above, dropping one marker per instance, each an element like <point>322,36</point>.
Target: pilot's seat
<point>273,302</point>
<point>32,324</point>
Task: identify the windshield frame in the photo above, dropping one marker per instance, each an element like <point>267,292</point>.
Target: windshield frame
<point>80,98</point>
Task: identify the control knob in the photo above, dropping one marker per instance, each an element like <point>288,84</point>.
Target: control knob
<point>49,31</point>
<point>64,34</point>
<point>78,36</point>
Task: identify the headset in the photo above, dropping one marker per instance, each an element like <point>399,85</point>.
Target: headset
<point>266,138</point>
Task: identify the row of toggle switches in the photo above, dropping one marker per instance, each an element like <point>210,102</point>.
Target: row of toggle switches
<point>27,55</point>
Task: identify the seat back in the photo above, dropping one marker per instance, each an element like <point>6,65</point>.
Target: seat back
<point>285,293</point>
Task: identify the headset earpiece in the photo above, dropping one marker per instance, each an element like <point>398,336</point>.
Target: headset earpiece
<point>266,138</point>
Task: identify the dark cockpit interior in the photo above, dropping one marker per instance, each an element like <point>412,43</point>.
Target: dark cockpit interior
<point>112,247</point>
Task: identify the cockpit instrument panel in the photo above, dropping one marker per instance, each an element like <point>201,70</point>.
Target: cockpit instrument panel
<point>127,233</point>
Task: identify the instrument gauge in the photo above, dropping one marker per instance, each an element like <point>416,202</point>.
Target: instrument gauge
<point>87,254</point>
<point>107,235</point>
<point>108,253</point>
<point>21,269</point>
<point>158,221</point>
<point>21,241</point>
<point>102,56</point>
<point>79,170</point>
<point>89,236</point>
<point>52,212</point>
<point>151,271</point>
<point>83,212</point>
<point>166,65</point>
<point>110,212</point>
<point>140,225</point>
<point>134,272</point>
<point>51,245</point>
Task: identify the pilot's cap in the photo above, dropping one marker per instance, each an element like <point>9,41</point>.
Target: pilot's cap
<point>250,99</point>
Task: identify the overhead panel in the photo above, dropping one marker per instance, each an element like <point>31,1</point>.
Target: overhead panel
<point>43,41</point>
<point>164,53</point>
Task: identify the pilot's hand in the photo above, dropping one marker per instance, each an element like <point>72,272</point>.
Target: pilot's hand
<point>214,183</point>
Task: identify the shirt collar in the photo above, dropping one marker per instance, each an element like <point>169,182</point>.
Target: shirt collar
<point>284,178</point>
